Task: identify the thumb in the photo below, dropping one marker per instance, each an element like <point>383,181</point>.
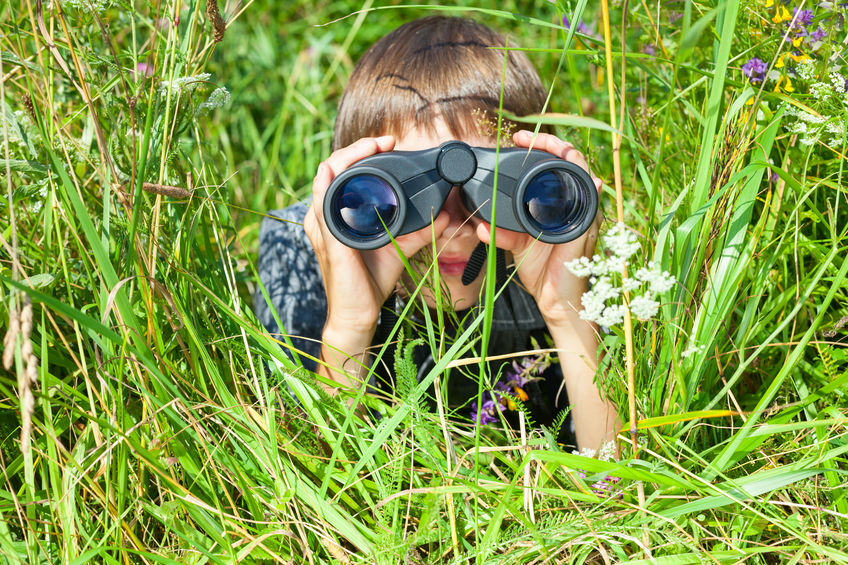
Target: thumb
<point>412,243</point>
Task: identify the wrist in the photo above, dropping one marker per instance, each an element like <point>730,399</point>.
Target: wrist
<point>562,307</point>
<point>344,353</point>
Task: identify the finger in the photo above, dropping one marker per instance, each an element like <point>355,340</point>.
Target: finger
<point>552,144</point>
<point>412,243</point>
<point>323,177</point>
<point>343,158</point>
<point>505,239</point>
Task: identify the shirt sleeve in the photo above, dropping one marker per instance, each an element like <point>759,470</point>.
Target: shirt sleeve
<point>289,271</point>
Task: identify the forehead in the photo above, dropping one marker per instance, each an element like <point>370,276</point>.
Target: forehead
<point>418,138</point>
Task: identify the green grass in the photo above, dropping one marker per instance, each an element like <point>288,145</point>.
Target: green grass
<point>163,425</point>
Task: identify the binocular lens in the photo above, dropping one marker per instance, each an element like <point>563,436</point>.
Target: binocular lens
<point>365,204</point>
<point>551,200</point>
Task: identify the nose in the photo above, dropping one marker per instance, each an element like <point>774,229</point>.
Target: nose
<point>457,210</point>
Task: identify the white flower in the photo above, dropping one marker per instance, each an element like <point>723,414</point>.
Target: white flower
<point>218,98</point>
<point>615,264</point>
<point>808,140</point>
<point>838,82</point>
<point>805,70</point>
<point>581,267</point>
<point>659,281</point>
<point>644,307</point>
<point>798,127</point>
<point>607,451</point>
<point>187,83</point>
<point>691,350</point>
<point>835,128</point>
<point>630,285</point>
<point>602,302</point>
<point>87,5</point>
<point>611,316</point>
<point>820,90</point>
<point>621,241</point>
<point>585,452</point>
<point>810,118</point>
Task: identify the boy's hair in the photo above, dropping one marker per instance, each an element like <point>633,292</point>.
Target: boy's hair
<point>433,67</point>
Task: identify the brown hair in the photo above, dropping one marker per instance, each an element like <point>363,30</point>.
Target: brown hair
<point>435,67</point>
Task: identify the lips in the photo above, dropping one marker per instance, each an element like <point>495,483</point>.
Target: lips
<point>452,266</point>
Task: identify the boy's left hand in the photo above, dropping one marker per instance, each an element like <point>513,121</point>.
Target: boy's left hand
<point>541,266</point>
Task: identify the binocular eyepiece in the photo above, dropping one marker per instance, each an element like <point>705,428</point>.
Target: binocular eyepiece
<point>399,192</point>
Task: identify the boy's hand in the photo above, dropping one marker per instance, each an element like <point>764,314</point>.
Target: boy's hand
<point>557,293</point>
<point>540,266</point>
<point>357,282</point>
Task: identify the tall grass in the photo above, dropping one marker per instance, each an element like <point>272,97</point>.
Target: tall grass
<point>147,416</point>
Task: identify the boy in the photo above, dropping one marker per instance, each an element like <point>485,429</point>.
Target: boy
<point>430,81</point>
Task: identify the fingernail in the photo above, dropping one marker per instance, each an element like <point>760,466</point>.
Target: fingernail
<point>383,139</point>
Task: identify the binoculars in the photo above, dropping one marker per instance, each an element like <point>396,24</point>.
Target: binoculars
<point>399,192</point>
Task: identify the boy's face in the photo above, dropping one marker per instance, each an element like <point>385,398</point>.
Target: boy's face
<point>459,239</point>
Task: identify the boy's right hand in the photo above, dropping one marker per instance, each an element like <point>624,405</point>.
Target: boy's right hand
<point>357,282</point>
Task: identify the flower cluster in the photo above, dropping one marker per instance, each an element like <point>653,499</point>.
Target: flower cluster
<point>217,99</point>
<point>603,303</point>
<point>508,387</point>
<point>604,486</point>
<point>831,95</point>
<point>87,5</point>
<point>804,33</point>
<point>186,83</point>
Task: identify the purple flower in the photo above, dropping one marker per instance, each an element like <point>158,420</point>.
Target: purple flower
<point>488,415</point>
<point>755,69</point>
<point>649,49</point>
<point>818,35</point>
<point>606,487</point>
<point>774,177</point>
<point>502,387</point>
<point>800,19</point>
<point>674,16</point>
<point>581,27</point>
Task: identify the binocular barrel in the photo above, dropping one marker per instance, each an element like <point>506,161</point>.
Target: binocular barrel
<point>399,192</point>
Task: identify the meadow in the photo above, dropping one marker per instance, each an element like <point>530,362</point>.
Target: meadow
<point>146,416</point>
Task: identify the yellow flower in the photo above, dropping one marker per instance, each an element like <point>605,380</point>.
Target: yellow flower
<point>787,85</point>
<point>769,3</point>
<point>780,62</point>
<point>798,41</point>
<point>800,58</point>
<point>782,15</point>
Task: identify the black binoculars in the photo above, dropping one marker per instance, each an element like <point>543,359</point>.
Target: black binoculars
<point>399,192</point>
